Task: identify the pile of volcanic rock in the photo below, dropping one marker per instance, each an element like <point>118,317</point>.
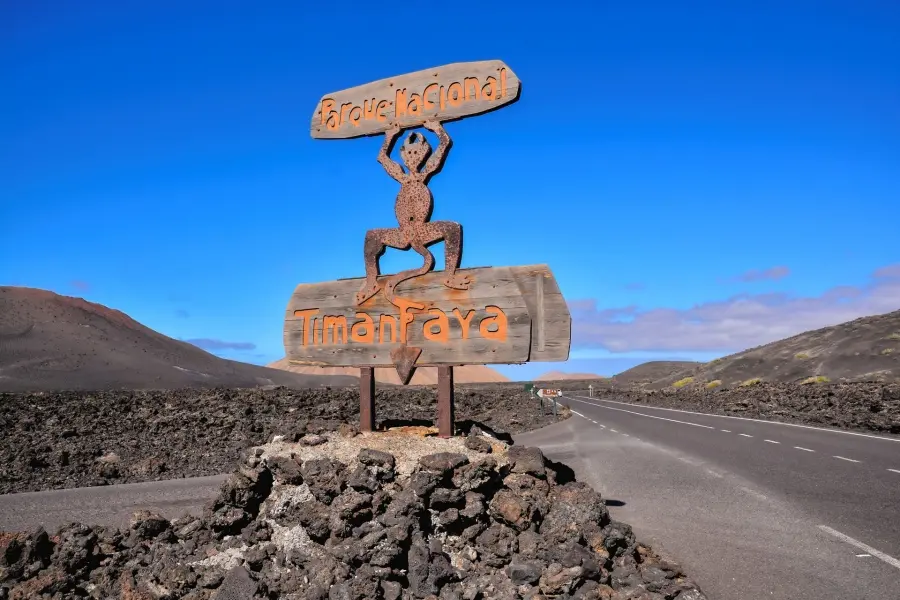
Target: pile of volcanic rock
<point>306,521</point>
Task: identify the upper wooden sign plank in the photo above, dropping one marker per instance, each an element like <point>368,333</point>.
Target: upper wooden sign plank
<point>443,93</point>
<point>508,315</point>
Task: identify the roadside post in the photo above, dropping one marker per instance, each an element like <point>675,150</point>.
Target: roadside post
<point>421,317</point>
<point>591,390</point>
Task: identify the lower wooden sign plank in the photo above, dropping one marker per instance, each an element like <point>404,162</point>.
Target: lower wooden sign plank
<point>491,322</point>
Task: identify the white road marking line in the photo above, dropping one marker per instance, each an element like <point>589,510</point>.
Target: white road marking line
<point>626,435</point>
<point>593,421</point>
<point>772,441</point>
<point>804,449</point>
<point>864,547</point>
<point>614,431</point>
<point>847,459</point>
<point>690,412</point>
<point>745,434</point>
<point>575,412</point>
<point>893,470</point>
<point>643,415</point>
<point>726,431</point>
<point>863,555</point>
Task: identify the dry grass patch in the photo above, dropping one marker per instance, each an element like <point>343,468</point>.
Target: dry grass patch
<point>801,356</point>
<point>894,336</point>
<point>750,382</point>
<point>713,384</point>
<point>887,351</point>
<point>682,382</point>
<point>815,379</point>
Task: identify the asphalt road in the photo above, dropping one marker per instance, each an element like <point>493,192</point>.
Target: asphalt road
<point>752,509</point>
<point>110,505</point>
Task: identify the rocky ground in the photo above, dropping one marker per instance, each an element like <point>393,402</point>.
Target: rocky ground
<point>336,516</point>
<point>73,439</point>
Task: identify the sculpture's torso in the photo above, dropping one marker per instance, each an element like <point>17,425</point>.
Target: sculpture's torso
<point>413,206</point>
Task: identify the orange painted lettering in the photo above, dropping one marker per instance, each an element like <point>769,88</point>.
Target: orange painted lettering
<point>383,321</point>
<point>415,104</point>
<point>499,321</point>
<point>345,108</point>
<point>405,316</point>
<point>312,329</point>
<point>379,110</point>
<point>428,103</point>
<point>443,95</point>
<point>470,84</point>
<point>368,109</point>
<point>327,109</point>
<point>454,94</point>
<point>305,317</point>
<point>441,322</point>
<point>356,115</point>
<point>400,103</point>
<point>464,321</point>
<point>492,84</point>
<point>502,82</point>
<point>363,331</point>
<point>338,325</point>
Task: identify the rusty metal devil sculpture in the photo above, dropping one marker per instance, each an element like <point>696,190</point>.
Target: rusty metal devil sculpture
<point>413,209</point>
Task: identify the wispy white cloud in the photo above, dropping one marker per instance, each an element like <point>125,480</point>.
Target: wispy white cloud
<point>740,322</point>
<point>212,345</point>
<point>771,274</point>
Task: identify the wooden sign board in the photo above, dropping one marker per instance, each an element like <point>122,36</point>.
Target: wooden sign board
<point>507,315</point>
<point>549,393</point>
<point>443,93</point>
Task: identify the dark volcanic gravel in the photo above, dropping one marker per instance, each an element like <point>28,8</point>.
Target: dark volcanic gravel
<point>319,529</point>
<point>73,439</point>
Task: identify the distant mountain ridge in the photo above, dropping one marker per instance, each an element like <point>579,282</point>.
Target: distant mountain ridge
<point>421,376</point>
<point>563,376</point>
<point>51,342</point>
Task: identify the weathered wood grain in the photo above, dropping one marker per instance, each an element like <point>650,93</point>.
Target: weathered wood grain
<point>511,289</point>
<point>446,93</point>
<point>555,313</point>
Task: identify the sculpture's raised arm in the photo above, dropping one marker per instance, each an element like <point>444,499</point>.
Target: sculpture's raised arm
<point>437,159</point>
<point>384,155</point>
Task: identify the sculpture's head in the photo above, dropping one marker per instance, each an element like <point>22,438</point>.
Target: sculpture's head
<point>415,151</point>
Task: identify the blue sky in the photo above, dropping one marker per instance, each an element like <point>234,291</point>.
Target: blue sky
<point>719,176</point>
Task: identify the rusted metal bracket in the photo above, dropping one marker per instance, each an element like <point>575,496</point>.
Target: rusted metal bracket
<point>404,358</point>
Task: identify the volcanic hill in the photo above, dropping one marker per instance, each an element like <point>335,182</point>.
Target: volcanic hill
<point>649,372</point>
<point>50,342</point>
<point>865,349</point>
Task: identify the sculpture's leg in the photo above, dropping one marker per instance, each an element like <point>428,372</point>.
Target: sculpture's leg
<point>376,242</point>
<point>402,276</point>
<point>451,233</point>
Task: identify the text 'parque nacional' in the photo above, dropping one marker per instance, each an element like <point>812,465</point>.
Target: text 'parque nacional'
<point>443,93</point>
